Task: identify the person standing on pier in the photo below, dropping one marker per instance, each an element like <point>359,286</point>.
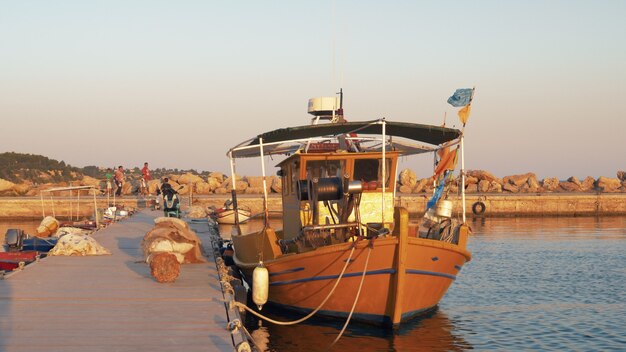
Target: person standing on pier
<point>145,177</point>
<point>109,180</point>
<point>119,180</point>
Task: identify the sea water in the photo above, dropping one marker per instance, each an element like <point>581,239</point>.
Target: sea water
<point>533,284</point>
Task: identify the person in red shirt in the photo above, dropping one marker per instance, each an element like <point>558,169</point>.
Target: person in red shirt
<point>145,177</point>
<point>119,180</point>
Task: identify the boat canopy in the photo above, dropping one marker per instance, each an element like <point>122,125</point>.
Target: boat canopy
<point>290,140</point>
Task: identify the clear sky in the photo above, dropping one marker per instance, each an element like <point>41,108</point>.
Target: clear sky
<point>177,83</point>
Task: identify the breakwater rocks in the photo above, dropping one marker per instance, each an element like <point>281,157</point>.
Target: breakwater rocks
<point>477,181</point>
<point>480,181</point>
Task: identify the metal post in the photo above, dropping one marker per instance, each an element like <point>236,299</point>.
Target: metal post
<point>384,170</point>
<point>463,176</point>
<point>265,222</point>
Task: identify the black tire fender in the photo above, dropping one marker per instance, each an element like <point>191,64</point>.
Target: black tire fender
<point>478,208</point>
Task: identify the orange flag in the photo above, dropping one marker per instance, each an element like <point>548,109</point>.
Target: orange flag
<point>464,113</point>
<point>447,160</point>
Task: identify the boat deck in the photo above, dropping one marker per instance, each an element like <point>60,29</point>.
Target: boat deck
<point>111,303</point>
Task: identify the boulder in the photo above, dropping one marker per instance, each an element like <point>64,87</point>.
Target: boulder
<point>509,187</point>
<point>483,175</point>
<point>6,185</point>
<point>218,176</point>
<point>606,184</point>
<point>621,175</point>
<point>495,186</point>
<point>189,178</point>
<point>240,184</point>
<point>174,178</point>
<point>405,189</point>
<point>533,183</point>
<point>213,183</point>
<point>588,184</point>
<point>255,181</point>
<point>483,186</point>
<point>203,188</point>
<point>569,186</point>
<point>471,188</point>
<point>253,190</point>
<point>153,185</point>
<point>22,188</point>
<point>277,185</point>
<point>222,190</point>
<point>471,180</point>
<point>574,180</point>
<point>183,189</point>
<point>422,184</point>
<point>89,181</point>
<point>517,180</point>
<point>196,212</point>
<point>127,187</point>
<point>550,184</point>
<point>408,178</point>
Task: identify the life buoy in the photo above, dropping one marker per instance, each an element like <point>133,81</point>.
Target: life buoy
<point>478,208</point>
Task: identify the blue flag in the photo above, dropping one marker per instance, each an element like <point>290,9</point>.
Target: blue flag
<point>461,97</point>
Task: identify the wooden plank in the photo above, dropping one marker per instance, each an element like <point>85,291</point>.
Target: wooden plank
<point>104,303</point>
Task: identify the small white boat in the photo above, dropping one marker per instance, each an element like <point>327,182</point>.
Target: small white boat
<point>227,216</point>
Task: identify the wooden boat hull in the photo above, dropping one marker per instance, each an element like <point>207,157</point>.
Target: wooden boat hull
<point>228,216</point>
<point>11,260</point>
<point>389,295</point>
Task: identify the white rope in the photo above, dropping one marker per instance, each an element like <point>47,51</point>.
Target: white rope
<point>356,299</point>
<point>259,315</point>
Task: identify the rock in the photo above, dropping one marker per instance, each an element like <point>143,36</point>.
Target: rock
<point>483,186</point>
<point>495,186</point>
<point>213,183</point>
<point>569,186</point>
<point>621,175</point>
<point>174,178</point>
<point>277,185</point>
<point>203,188</point>
<point>240,184</point>
<point>127,187</point>
<point>483,175</point>
<point>606,184</point>
<point>255,181</point>
<point>574,180</point>
<point>22,188</point>
<point>153,185</point>
<point>408,178</point>
<point>550,184</point>
<point>182,189</point>
<point>588,184</point>
<point>218,176</point>
<point>90,181</point>
<point>509,187</point>
<point>222,190</point>
<point>189,178</point>
<point>253,190</point>
<point>472,188</point>
<point>517,180</point>
<point>469,180</point>
<point>422,184</point>
<point>405,189</point>
<point>533,183</point>
<point>196,212</point>
<point>6,185</point>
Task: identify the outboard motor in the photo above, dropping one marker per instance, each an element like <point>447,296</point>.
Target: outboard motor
<point>13,240</point>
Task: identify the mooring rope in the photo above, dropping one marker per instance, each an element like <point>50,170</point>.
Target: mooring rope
<point>356,299</point>
<point>261,316</point>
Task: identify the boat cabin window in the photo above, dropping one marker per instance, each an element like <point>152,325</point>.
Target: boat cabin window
<point>294,170</point>
<point>324,168</point>
<point>370,170</point>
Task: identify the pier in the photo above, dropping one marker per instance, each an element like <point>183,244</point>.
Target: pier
<point>111,303</point>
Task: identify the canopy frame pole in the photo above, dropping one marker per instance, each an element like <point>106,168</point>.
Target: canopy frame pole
<point>265,210</point>
<point>384,169</point>
<point>233,179</point>
<point>43,208</point>
<point>95,209</point>
<point>463,177</point>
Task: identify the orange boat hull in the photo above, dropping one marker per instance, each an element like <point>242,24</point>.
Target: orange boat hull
<point>392,292</point>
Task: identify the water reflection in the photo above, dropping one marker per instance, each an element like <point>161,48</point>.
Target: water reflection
<point>433,332</point>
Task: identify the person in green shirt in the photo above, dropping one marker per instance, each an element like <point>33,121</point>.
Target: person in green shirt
<point>109,179</point>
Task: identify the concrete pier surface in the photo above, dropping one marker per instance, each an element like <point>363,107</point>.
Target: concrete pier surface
<point>496,204</point>
<point>111,303</point>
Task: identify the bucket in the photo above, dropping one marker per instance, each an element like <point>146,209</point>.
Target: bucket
<point>444,208</point>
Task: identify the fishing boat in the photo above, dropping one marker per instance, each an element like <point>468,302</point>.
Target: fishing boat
<point>347,248</point>
<point>227,216</point>
<point>20,249</point>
